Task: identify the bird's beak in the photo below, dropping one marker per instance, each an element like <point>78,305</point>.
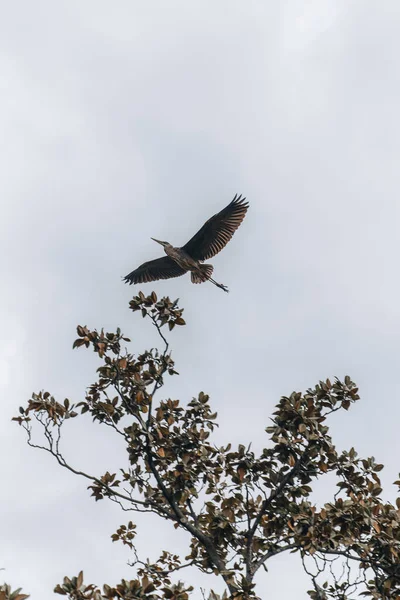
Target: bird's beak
<point>158,241</point>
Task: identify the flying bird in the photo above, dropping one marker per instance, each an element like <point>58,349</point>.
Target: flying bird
<point>206,243</point>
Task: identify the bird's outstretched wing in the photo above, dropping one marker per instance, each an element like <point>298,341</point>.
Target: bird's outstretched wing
<point>160,268</point>
<point>217,231</point>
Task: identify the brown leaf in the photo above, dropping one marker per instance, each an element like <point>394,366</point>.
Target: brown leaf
<point>79,581</point>
<point>376,526</point>
<point>241,472</point>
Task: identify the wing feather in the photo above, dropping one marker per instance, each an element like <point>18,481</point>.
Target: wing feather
<point>160,268</point>
<point>217,231</point>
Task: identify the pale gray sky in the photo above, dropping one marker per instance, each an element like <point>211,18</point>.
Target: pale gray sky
<point>129,120</point>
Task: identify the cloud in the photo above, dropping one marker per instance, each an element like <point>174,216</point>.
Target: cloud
<point>123,124</point>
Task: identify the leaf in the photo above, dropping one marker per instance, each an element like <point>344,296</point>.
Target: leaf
<point>161,452</point>
<point>376,526</point>
<point>241,472</point>
<point>76,344</point>
<point>79,581</point>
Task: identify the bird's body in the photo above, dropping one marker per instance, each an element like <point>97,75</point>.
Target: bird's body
<point>199,272</point>
<point>181,257</point>
<point>207,242</point>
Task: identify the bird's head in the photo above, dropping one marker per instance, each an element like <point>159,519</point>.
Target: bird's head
<point>165,244</point>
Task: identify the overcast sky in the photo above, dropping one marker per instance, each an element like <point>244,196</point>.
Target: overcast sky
<point>121,121</point>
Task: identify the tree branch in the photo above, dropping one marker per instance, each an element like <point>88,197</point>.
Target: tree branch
<point>264,507</point>
<point>62,462</point>
<point>270,554</point>
<point>204,539</point>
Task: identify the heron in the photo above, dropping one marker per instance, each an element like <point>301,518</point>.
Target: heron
<point>211,238</point>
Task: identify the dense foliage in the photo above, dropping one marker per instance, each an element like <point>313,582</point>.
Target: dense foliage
<point>238,508</point>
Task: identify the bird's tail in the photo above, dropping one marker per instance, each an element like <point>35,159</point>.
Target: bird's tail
<point>205,273</point>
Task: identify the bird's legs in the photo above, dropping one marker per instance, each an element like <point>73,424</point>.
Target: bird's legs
<point>220,285</point>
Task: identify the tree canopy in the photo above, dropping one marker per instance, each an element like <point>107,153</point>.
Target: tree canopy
<point>239,508</point>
